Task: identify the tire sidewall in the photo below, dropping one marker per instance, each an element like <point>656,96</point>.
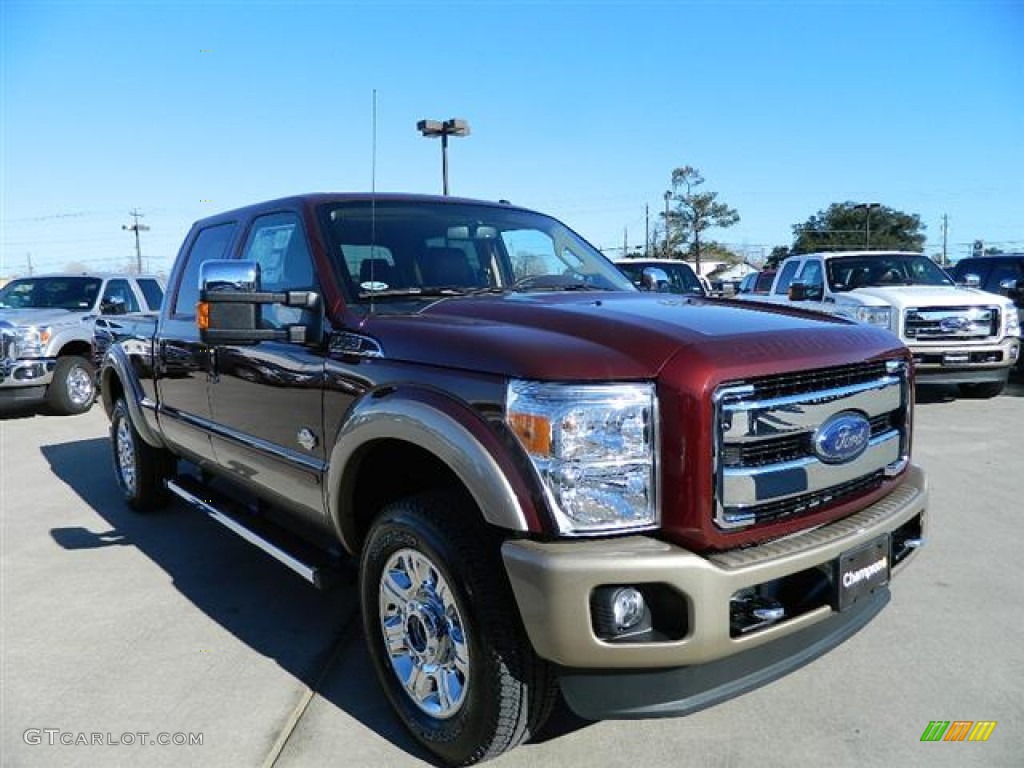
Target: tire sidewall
<point>119,415</point>
<point>59,392</point>
<point>453,738</point>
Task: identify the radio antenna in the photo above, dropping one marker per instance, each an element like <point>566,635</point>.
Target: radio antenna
<point>373,204</point>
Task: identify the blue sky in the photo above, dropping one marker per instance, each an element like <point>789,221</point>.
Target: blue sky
<point>579,109</point>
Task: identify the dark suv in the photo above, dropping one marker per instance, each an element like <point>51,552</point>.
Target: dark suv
<point>1002,274</point>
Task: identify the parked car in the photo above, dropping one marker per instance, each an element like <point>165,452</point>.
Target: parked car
<point>757,283</point>
<point>664,275</point>
<point>958,335</point>
<point>46,324</point>
<point>1002,273</point>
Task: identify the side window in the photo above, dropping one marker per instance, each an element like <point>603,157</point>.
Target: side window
<point>811,276</point>
<point>211,243</point>
<point>118,298</point>
<point>1004,270</point>
<point>277,243</point>
<point>786,277</point>
<point>152,291</point>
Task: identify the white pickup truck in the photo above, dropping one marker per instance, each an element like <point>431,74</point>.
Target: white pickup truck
<point>958,335</point>
<point>46,332</point>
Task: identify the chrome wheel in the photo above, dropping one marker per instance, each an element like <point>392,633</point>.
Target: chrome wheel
<point>424,633</point>
<point>125,447</point>
<point>80,387</point>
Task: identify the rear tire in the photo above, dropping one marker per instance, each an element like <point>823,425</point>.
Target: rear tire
<point>73,388</point>
<point>443,631</point>
<point>982,390</point>
<point>140,468</point>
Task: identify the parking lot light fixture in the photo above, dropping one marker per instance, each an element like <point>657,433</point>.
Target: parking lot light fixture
<point>444,129</point>
<point>867,208</point>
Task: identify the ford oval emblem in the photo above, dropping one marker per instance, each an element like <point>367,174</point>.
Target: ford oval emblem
<point>955,324</point>
<point>842,438</point>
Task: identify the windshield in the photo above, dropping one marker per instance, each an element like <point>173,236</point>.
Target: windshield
<point>681,278</point>
<point>414,250</point>
<point>846,273</point>
<point>73,293</point>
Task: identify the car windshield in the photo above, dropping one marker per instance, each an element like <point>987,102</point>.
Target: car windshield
<point>681,278</point>
<point>845,273</point>
<point>72,293</point>
<point>413,250</point>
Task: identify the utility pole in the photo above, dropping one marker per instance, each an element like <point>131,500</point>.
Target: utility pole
<point>945,230</point>
<point>668,196</point>
<point>136,228</point>
<point>29,257</point>
<point>647,230</point>
<point>625,241</point>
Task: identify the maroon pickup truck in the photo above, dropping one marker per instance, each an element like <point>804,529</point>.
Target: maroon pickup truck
<point>552,483</point>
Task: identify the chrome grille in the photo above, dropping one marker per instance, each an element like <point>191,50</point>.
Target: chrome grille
<point>951,323</point>
<point>767,468</point>
<point>8,342</point>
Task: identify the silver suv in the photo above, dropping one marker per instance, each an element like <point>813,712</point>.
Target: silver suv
<point>46,329</point>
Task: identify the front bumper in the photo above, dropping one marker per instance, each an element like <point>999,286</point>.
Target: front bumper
<point>25,380</point>
<point>553,583</point>
<point>958,364</point>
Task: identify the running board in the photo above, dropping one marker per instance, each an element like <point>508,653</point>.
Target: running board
<point>316,566</point>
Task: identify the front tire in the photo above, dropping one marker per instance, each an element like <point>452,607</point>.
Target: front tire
<point>139,467</point>
<point>442,629</point>
<point>73,388</point>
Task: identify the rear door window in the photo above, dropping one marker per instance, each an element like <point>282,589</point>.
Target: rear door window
<point>210,244</point>
<point>152,291</point>
<point>786,277</point>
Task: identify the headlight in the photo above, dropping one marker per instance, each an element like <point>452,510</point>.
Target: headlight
<point>1012,322</point>
<point>595,448</point>
<point>32,339</point>
<point>880,316</point>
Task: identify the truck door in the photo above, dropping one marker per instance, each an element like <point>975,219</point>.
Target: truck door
<point>183,362</point>
<point>267,398</point>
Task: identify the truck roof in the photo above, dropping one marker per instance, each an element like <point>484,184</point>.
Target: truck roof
<point>314,199</point>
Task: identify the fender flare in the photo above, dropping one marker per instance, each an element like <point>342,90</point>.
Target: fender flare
<point>116,364</point>
<point>504,489</point>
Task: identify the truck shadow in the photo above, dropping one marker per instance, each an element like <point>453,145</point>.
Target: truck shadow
<point>313,634</point>
<point>247,593</point>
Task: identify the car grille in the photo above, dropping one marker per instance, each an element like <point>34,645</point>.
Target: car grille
<point>8,343</point>
<point>951,323</point>
<point>767,468</point>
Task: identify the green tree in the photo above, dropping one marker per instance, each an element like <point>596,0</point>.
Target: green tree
<point>695,212</point>
<point>849,226</point>
<point>776,257</point>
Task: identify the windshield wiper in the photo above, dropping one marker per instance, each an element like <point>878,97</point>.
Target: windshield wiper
<point>426,293</point>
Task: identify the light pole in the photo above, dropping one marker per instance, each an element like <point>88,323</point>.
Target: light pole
<point>452,127</point>
<point>867,207</point>
<point>668,196</point>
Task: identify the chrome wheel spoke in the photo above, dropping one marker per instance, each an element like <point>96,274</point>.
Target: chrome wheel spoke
<point>423,633</point>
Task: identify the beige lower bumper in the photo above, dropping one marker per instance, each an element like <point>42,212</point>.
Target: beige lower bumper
<point>553,583</point>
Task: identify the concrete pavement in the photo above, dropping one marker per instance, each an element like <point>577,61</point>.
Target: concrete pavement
<point>115,625</point>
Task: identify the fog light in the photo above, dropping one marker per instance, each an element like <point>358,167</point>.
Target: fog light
<point>619,612</point>
<point>628,608</point>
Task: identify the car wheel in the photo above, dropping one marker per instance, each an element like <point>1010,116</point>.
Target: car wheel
<point>73,388</point>
<point>139,467</point>
<point>442,629</point>
<point>982,390</point>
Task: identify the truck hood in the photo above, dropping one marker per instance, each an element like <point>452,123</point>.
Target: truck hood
<point>623,336</point>
<point>53,317</point>
<point>904,296</point>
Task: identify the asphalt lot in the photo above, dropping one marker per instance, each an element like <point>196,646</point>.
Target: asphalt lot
<point>120,625</point>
